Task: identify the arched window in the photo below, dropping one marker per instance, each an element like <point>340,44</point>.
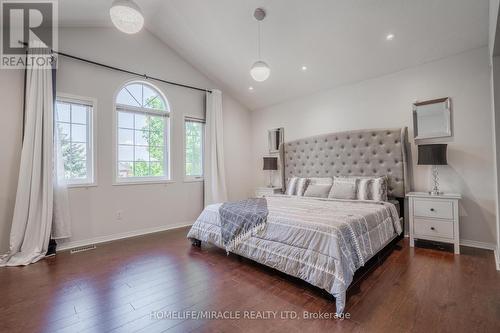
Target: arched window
<point>142,114</point>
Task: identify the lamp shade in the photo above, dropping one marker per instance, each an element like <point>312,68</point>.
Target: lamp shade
<point>270,163</point>
<point>434,154</point>
<point>126,16</point>
<point>260,71</point>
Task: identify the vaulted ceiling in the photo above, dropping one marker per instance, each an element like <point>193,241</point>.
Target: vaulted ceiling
<point>340,41</point>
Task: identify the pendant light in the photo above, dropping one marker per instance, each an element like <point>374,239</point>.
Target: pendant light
<point>126,16</point>
<point>260,71</point>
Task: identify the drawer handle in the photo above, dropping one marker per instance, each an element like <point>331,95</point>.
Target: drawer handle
<point>433,210</point>
<point>432,228</point>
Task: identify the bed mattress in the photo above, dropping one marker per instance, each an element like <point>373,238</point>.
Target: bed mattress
<point>321,241</point>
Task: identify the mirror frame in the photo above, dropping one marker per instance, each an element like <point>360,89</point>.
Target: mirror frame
<point>270,132</point>
<point>447,114</point>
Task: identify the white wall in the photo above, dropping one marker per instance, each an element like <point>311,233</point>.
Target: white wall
<point>386,102</point>
<point>143,207</point>
<point>493,18</point>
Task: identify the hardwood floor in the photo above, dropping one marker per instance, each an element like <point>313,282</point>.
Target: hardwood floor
<point>121,286</point>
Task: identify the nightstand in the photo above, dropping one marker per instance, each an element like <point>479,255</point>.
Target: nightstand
<point>434,217</point>
<point>262,191</point>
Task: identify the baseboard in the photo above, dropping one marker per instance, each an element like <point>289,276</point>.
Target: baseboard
<point>479,245</point>
<point>497,259</point>
<point>109,238</point>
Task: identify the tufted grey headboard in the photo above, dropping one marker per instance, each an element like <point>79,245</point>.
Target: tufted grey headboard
<point>369,152</point>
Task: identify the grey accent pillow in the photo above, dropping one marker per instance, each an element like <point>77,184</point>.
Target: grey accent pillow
<point>317,190</point>
<point>302,186</point>
<point>343,188</point>
<point>291,186</point>
<point>372,188</point>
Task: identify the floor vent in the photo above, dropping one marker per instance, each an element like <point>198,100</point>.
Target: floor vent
<point>83,248</point>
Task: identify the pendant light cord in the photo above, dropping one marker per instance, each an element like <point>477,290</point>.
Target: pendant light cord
<point>259,37</point>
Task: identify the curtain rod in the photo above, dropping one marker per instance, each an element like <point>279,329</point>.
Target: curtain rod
<point>124,70</point>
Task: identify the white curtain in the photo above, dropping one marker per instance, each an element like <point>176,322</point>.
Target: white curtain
<point>215,179</point>
<point>34,207</point>
<point>61,221</point>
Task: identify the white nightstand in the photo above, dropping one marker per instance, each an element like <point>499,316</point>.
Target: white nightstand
<point>434,217</point>
<point>262,191</point>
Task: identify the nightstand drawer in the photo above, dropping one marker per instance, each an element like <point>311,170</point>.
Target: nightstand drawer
<point>436,228</point>
<point>442,209</point>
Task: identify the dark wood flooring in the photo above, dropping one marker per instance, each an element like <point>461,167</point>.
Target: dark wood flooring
<point>117,286</point>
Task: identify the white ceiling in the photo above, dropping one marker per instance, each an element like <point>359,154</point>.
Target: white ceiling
<point>340,41</point>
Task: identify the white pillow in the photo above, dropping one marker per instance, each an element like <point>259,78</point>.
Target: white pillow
<point>318,190</point>
<point>343,188</point>
<point>321,181</point>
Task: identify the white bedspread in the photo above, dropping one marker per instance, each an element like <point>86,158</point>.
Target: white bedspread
<point>321,241</point>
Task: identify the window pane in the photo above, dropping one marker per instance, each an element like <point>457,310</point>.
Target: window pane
<point>141,169</point>
<point>152,99</point>
<point>141,138</point>
<point>62,112</point>
<point>125,136</point>
<point>72,121</point>
<point>78,114</point>
<point>125,119</point>
<point>126,169</point>
<point>130,95</point>
<point>141,121</point>
<point>156,169</point>
<point>78,133</point>
<point>157,124</point>
<point>78,169</point>
<point>78,151</point>
<point>64,131</point>
<point>126,153</point>
<point>194,148</point>
<point>156,153</point>
<point>141,153</point>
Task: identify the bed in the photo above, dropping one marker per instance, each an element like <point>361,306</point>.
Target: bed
<point>319,240</point>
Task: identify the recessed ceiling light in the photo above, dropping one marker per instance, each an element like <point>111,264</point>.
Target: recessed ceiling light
<point>389,37</point>
<point>304,68</point>
<point>250,88</point>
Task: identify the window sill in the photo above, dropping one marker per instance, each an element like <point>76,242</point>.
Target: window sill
<point>194,180</point>
<point>82,185</point>
<point>143,182</point>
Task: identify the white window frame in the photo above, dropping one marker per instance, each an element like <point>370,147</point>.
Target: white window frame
<point>188,178</point>
<point>167,114</point>
<point>91,179</point>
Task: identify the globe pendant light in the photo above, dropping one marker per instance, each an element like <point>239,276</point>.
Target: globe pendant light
<point>260,71</point>
<point>126,16</point>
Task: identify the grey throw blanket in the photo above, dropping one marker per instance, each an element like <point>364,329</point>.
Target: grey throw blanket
<point>239,219</point>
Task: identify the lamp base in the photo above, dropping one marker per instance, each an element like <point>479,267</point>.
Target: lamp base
<point>434,192</point>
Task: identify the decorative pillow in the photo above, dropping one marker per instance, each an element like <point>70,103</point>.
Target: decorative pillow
<point>318,190</point>
<point>343,188</point>
<point>320,181</point>
<point>291,186</point>
<point>379,189</point>
<point>372,188</point>
<point>302,186</point>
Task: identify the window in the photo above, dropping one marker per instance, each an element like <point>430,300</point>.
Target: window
<point>73,121</point>
<point>194,130</point>
<point>142,134</point>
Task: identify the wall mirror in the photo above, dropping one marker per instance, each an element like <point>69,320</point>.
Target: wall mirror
<point>432,119</point>
<point>275,137</point>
